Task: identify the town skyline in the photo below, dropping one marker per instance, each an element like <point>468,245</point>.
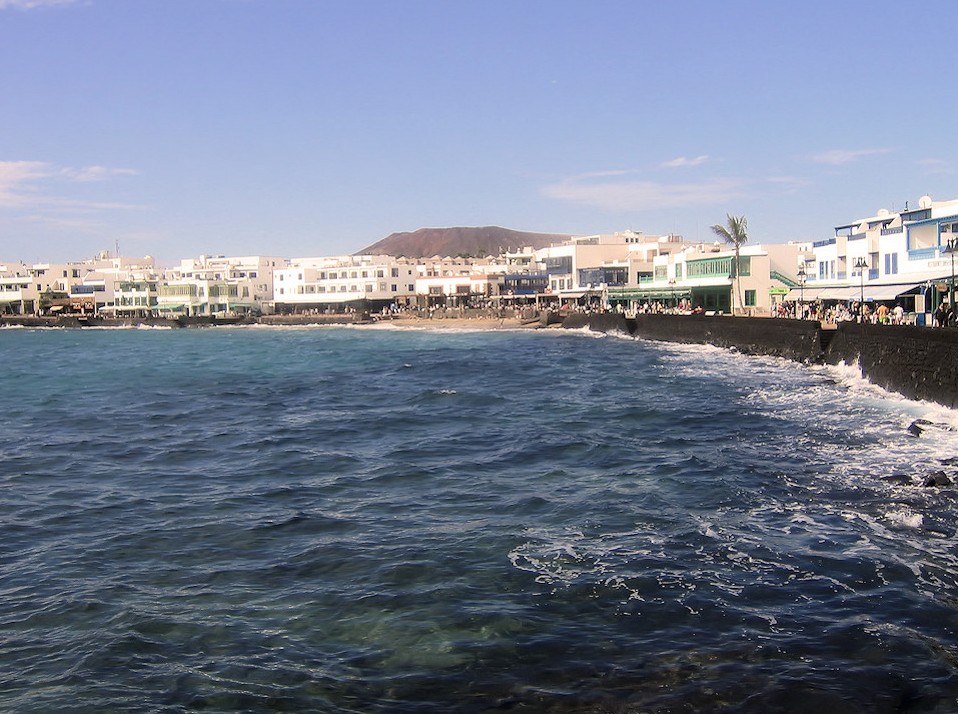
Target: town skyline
<point>177,129</point>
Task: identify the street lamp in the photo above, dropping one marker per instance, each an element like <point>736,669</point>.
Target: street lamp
<point>952,249</point>
<point>802,276</point>
<point>672,288</point>
<point>861,265</point>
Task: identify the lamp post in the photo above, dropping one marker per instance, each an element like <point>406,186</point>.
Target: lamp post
<point>951,249</point>
<point>672,288</point>
<point>802,275</point>
<point>861,265</point>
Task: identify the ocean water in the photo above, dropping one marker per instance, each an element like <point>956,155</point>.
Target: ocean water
<point>380,520</point>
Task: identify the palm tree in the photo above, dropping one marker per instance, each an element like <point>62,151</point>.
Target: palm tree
<point>734,232</point>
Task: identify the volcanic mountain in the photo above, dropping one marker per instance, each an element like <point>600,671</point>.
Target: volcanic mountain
<point>454,242</point>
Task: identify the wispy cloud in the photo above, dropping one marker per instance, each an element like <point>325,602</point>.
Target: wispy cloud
<point>18,181</point>
<point>30,185</point>
<point>95,173</point>
<point>837,157</point>
<point>638,195</point>
<point>682,162</point>
<point>936,166</point>
<point>32,4</point>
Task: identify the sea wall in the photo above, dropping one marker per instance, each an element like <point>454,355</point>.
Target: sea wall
<point>799,340</point>
<point>916,362</point>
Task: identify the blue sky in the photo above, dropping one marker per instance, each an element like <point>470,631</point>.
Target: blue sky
<point>317,127</point>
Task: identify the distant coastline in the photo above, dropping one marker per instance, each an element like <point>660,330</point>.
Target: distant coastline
<point>452,319</point>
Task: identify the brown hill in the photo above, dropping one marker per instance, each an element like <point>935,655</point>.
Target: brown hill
<point>477,242</point>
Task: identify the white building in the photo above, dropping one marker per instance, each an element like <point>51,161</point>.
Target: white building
<point>82,287</point>
<point>906,257</point>
<point>704,275</point>
<point>218,285</point>
<point>334,284</point>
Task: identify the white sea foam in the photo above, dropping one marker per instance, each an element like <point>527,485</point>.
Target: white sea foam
<point>905,519</point>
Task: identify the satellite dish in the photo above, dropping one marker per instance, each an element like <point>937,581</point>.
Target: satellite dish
<point>924,202</point>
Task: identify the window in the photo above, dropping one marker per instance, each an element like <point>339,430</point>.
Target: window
<point>394,273</point>
<point>395,288</point>
<point>750,298</point>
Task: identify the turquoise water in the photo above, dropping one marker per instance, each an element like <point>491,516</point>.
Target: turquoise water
<point>375,520</point>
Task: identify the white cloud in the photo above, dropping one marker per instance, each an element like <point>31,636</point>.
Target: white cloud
<point>837,157</point>
<point>95,173</point>
<point>644,195</point>
<point>26,184</point>
<point>18,179</point>
<point>31,4</point>
<point>682,162</point>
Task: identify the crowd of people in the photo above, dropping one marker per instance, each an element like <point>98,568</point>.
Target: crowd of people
<point>874,313</point>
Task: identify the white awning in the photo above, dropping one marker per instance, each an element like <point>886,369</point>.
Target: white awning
<point>885,292</point>
<point>871,292</point>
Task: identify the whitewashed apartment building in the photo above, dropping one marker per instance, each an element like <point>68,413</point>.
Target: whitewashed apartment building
<point>218,285</point>
<point>334,284</point>
<point>906,257</point>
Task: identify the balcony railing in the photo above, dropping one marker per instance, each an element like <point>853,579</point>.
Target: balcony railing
<point>892,231</point>
<point>922,253</point>
<point>856,236</point>
<point>822,243</point>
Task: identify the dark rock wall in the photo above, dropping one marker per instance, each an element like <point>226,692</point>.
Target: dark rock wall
<point>605,322</point>
<point>794,339</point>
<point>799,340</point>
<point>916,362</point>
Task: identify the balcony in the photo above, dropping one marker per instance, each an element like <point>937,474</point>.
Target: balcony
<point>892,231</point>
<point>856,236</point>
<point>923,254</point>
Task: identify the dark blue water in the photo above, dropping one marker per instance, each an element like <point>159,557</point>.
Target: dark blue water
<point>345,520</point>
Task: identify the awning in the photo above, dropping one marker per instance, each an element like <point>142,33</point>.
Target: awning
<point>885,292</point>
<point>808,294</point>
<point>655,294</point>
<point>871,292</point>
<point>838,294</point>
